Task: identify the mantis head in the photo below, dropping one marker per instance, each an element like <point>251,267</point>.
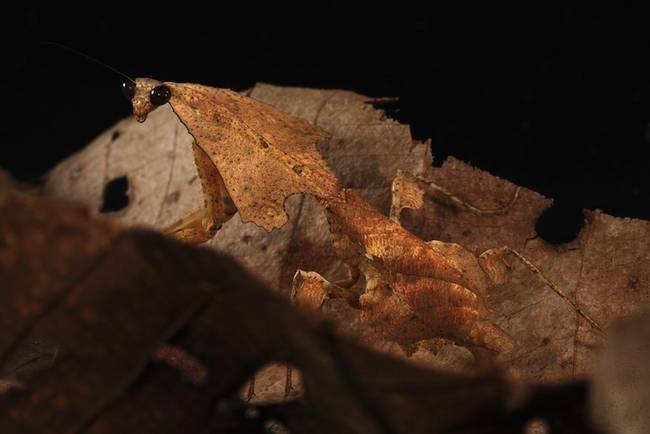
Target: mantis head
<point>146,94</point>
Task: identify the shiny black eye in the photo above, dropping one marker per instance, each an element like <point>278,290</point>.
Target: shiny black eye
<point>160,95</point>
<point>128,89</point>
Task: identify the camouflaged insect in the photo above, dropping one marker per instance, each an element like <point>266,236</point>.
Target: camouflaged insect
<point>250,157</point>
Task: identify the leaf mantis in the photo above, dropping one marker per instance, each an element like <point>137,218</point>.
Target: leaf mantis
<point>250,157</point>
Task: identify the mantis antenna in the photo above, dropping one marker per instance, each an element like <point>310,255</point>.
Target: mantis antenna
<point>88,57</point>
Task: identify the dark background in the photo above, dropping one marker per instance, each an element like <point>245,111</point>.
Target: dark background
<point>554,99</point>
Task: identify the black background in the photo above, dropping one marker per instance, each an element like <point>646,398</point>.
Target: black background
<point>554,99</point>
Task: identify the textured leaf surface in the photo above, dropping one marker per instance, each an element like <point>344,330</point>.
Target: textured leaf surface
<point>605,269</point>
<point>106,299</point>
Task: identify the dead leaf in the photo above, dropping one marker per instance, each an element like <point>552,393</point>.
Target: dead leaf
<point>107,299</point>
<point>604,269</point>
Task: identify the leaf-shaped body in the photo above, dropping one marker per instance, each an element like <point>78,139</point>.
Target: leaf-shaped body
<point>414,290</point>
<point>263,154</point>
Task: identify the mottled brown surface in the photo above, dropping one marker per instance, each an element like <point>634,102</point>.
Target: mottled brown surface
<point>263,155</point>
<point>116,296</point>
<point>164,184</point>
<point>605,269</point>
<point>413,292</point>
<point>553,341</point>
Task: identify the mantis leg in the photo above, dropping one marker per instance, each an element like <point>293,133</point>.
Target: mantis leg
<point>202,224</point>
<point>493,259</point>
<point>407,193</point>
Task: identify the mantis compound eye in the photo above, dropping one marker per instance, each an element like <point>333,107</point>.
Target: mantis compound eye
<point>128,89</point>
<point>160,95</point>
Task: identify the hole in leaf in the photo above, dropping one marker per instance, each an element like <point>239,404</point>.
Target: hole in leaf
<point>116,134</point>
<point>115,196</point>
<point>560,223</point>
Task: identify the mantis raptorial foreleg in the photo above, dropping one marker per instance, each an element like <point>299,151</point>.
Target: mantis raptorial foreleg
<point>407,194</point>
<point>202,224</point>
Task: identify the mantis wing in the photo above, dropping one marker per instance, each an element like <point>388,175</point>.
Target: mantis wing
<point>262,154</point>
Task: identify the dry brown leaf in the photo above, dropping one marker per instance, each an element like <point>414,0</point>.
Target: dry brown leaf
<point>107,299</point>
<point>604,268</point>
